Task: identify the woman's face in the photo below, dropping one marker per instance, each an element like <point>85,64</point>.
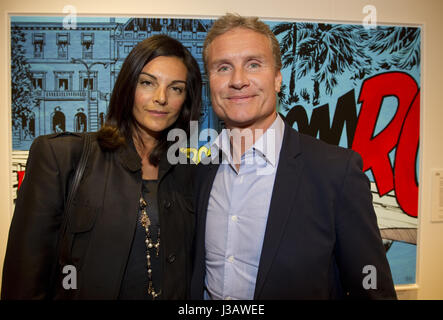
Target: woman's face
<point>160,94</point>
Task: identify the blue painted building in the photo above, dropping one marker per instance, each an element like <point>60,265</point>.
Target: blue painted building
<point>73,71</point>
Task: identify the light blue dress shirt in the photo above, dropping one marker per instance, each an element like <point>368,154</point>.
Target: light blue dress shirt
<point>237,214</point>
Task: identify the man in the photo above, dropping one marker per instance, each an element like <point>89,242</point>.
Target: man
<point>291,219</point>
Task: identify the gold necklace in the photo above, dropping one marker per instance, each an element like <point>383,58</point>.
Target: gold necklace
<point>146,223</point>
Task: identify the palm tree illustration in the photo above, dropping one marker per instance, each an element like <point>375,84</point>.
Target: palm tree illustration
<point>402,44</point>
<point>282,97</point>
<point>288,48</point>
<point>325,51</point>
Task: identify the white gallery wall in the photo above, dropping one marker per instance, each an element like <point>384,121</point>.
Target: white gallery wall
<point>427,13</point>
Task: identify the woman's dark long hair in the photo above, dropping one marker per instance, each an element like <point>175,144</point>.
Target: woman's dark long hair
<point>120,123</point>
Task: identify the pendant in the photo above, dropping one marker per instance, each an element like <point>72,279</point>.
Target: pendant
<point>145,221</point>
<point>152,292</point>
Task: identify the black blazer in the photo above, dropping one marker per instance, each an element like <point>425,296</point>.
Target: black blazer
<point>99,237</point>
<point>321,230</point>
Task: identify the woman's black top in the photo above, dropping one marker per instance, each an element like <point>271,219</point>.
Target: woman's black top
<point>135,281</point>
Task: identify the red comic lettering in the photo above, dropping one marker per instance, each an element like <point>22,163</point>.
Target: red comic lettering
<point>406,186</point>
<point>375,149</point>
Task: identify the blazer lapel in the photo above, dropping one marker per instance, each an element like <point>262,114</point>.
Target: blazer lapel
<point>285,188</point>
<point>129,157</point>
<point>204,179</point>
<point>204,186</point>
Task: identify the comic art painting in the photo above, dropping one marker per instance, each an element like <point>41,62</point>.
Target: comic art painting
<point>346,84</point>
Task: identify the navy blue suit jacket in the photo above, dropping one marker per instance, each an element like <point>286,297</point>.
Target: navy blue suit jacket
<point>321,230</point>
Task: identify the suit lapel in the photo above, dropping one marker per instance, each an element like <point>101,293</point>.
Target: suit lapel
<point>285,188</point>
<point>204,179</point>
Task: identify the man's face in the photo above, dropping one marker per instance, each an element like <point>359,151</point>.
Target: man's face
<point>243,79</point>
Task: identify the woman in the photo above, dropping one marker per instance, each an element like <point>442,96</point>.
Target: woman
<point>113,248</point>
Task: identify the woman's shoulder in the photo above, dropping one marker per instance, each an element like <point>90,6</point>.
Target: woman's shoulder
<point>64,139</point>
<point>58,136</point>
<point>64,146</point>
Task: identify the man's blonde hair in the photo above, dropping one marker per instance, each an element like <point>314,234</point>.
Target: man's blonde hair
<point>231,21</point>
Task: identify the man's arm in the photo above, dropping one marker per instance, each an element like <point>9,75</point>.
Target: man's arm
<point>361,256</point>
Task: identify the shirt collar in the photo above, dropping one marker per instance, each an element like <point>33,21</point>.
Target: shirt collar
<point>267,146</point>
<point>221,145</point>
